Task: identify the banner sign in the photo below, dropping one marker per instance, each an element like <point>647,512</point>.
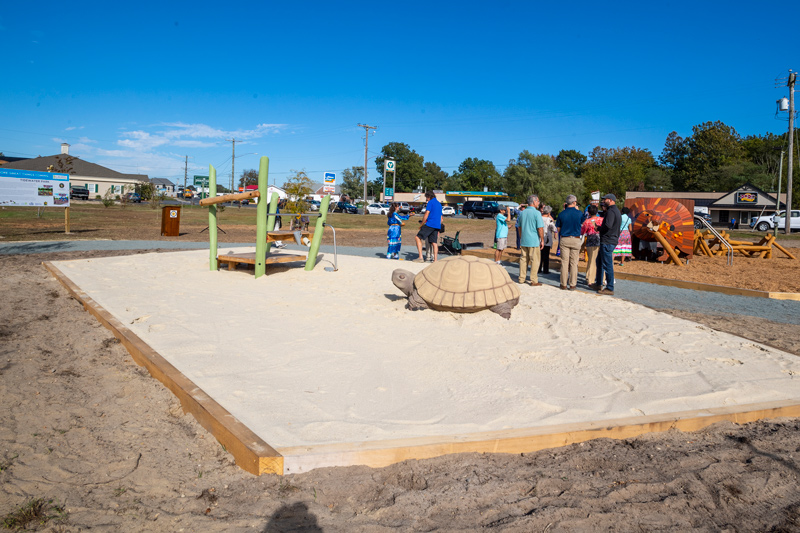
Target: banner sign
<point>746,198</point>
<point>33,188</point>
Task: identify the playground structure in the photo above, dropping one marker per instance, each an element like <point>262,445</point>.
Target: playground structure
<point>716,244</point>
<point>265,224</point>
<point>666,221</point>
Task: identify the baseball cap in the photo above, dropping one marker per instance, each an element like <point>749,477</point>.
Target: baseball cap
<point>610,196</point>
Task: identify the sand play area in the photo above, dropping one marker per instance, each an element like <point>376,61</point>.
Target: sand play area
<point>329,368</point>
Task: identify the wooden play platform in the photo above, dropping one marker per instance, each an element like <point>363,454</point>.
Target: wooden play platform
<point>232,260</point>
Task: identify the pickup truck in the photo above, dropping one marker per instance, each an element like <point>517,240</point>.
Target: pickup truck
<point>767,222</point>
<point>79,193</point>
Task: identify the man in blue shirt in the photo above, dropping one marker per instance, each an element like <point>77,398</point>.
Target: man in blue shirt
<point>569,238</point>
<point>431,224</point>
<point>531,225</point>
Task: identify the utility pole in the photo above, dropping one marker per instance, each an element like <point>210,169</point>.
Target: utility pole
<point>366,146</point>
<point>185,173</point>
<point>233,159</point>
<point>792,78</point>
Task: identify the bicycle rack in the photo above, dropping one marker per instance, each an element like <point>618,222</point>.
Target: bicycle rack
<point>716,234</point>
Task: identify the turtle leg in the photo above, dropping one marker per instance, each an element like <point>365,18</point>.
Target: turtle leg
<point>415,302</point>
<point>503,309</point>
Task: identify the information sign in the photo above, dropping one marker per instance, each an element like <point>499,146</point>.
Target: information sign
<point>329,178</point>
<point>33,188</point>
<point>388,193</point>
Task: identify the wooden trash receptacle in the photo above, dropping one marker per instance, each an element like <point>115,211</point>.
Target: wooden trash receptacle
<point>170,221</point>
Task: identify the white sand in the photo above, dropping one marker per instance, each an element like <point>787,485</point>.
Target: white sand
<point>318,357</point>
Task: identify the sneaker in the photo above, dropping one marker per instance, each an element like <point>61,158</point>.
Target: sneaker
<point>606,292</point>
<point>279,244</point>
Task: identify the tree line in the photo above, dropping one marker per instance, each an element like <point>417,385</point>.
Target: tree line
<point>713,158</point>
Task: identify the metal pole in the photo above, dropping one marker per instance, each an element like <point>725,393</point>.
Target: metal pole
<point>383,197</point>
<point>788,227</point>
<point>366,146</point>
<point>778,199</point>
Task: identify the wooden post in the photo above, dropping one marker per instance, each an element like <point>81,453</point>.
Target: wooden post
<point>212,220</point>
<point>261,218</point>
<point>66,220</point>
<point>316,240</point>
<point>660,238</point>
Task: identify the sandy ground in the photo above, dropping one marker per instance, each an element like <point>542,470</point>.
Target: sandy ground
<point>85,429</point>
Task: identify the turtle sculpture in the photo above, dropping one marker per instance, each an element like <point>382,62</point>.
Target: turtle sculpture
<point>461,284</point>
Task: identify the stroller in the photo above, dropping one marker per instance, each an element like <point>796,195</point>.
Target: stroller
<point>451,245</point>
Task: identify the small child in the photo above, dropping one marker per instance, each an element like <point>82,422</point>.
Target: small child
<point>501,234</point>
<point>394,237</point>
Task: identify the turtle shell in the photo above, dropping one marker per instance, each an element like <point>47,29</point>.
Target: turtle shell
<point>465,283</point>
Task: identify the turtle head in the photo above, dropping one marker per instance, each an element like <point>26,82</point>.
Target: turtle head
<point>403,280</point>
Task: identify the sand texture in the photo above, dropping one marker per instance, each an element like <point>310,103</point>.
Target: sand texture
<point>309,358</point>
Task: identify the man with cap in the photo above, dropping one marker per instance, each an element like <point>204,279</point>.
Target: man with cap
<point>609,237</point>
<point>569,237</point>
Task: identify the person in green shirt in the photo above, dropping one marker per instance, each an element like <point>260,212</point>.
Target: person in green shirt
<point>531,225</point>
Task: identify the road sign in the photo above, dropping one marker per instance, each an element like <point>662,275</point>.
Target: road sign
<point>200,181</point>
<point>389,165</point>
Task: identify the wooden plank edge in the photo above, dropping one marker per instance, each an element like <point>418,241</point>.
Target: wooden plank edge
<point>378,454</point>
<point>249,451</point>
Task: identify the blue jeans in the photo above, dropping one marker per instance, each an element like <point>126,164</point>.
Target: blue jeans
<point>605,265</point>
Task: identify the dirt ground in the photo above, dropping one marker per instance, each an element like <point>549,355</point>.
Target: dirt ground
<point>88,440</point>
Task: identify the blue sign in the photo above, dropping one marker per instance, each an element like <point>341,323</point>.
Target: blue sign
<point>330,177</point>
<point>389,193</point>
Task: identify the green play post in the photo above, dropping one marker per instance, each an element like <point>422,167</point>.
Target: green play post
<point>311,261</point>
<point>212,220</point>
<point>261,218</point>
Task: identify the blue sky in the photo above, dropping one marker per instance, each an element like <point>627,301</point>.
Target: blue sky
<point>139,86</point>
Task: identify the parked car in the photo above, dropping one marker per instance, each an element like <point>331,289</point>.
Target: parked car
<point>378,209</point>
<point>313,205</point>
<point>476,209</point>
<point>767,222</point>
<point>133,197</point>
<point>404,208</point>
<point>79,193</point>
<point>344,207</point>
<point>704,216</point>
<point>448,211</point>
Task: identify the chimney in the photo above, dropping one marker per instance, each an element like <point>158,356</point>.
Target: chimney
<point>65,148</point>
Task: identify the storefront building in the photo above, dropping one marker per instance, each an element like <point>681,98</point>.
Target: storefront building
<point>741,204</point>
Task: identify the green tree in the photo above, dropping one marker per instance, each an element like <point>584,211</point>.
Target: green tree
<point>248,177</point>
<point>353,182</point>
<point>696,162</point>
<point>571,161</point>
<point>475,174</point>
<point>435,177</point>
<point>617,170</point>
<point>298,188</point>
<point>410,166</point>
<point>538,174</point>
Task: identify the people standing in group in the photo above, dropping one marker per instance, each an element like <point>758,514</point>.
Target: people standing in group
<point>549,238</point>
<point>394,236</point>
<point>531,241</point>
<point>431,224</point>
<point>609,236</point>
<point>623,248</point>
<point>500,234</point>
<point>591,240</point>
<point>569,239</point>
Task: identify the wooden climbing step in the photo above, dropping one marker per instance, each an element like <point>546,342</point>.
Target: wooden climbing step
<point>233,260</point>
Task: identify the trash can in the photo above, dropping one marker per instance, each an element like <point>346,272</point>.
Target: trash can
<point>170,221</point>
